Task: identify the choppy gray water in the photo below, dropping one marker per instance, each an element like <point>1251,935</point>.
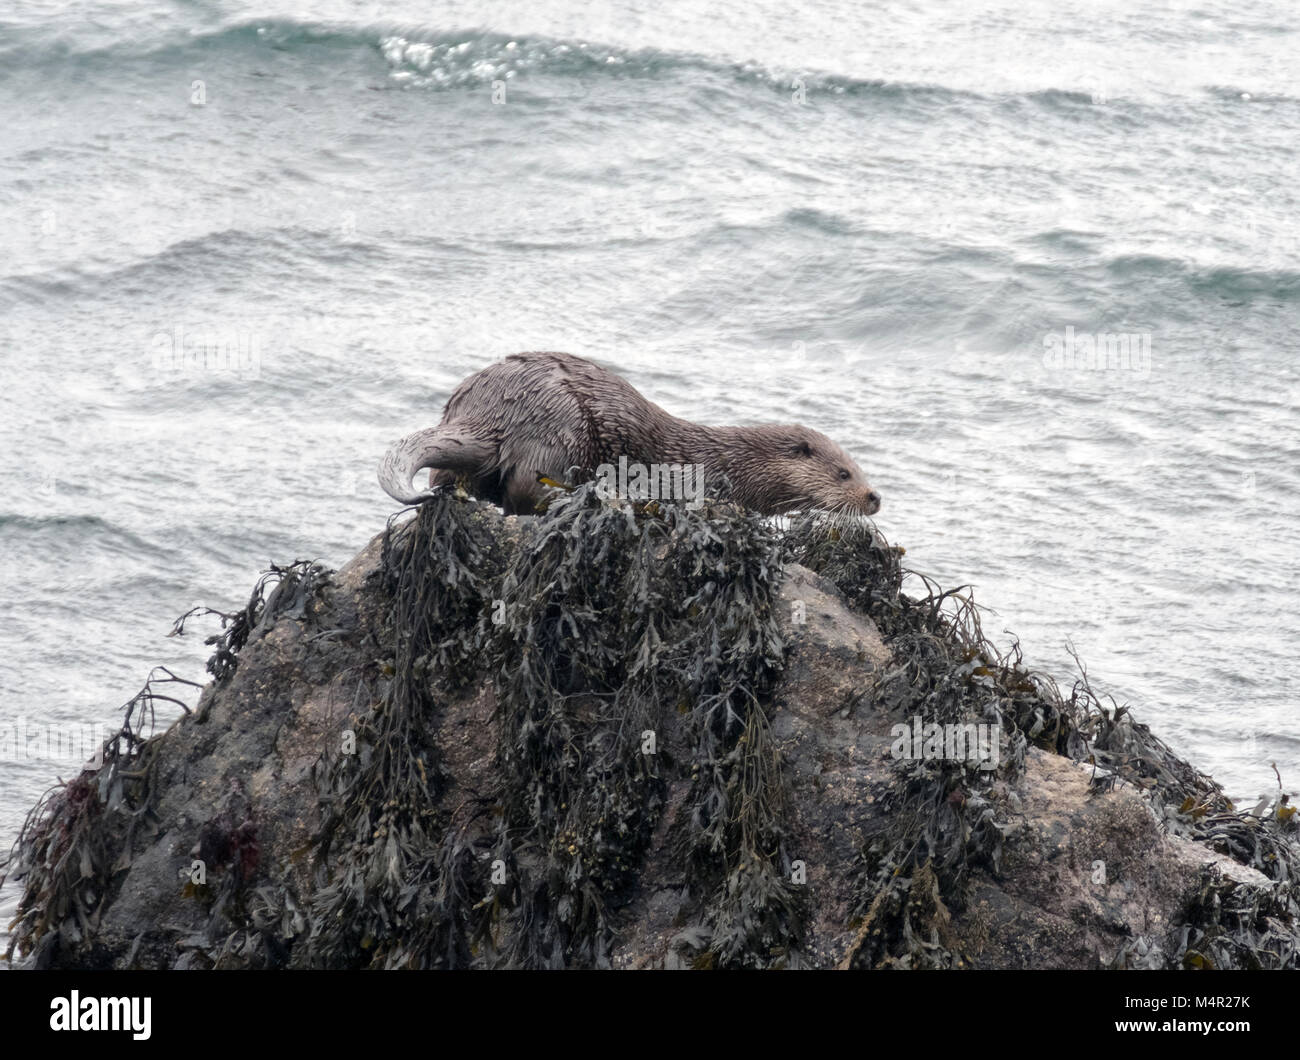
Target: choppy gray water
<point>869,217</point>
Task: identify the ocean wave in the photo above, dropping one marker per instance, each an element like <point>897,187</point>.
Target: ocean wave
<point>430,58</point>
<point>1228,282</point>
<point>238,258</point>
<point>440,57</point>
<point>1233,94</point>
<point>26,50</point>
<point>79,528</point>
<point>230,258</point>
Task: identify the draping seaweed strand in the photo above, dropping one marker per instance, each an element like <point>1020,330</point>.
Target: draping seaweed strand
<point>615,615</point>
<point>732,836</point>
<point>394,887</point>
<point>576,689</point>
<point>279,592</point>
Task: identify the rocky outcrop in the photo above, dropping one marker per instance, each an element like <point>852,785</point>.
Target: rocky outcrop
<point>451,753</point>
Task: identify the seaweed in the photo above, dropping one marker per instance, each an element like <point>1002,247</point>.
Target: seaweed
<point>578,645</point>
<point>607,629</point>
<point>1189,802</point>
<point>80,834</point>
<point>614,615</point>
<point>1230,926</point>
<point>734,838</point>
<point>940,824</point>
<point>280,591</point>
<point>631,652</point>
<point>382,896</point>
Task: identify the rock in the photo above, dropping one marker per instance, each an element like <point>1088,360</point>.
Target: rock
<point>1057,871</point>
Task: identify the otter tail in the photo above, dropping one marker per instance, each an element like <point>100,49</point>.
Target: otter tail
<point>450,448</point>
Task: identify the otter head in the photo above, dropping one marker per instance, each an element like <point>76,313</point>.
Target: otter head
<point>817,473</point>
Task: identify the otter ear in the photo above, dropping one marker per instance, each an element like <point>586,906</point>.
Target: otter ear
<point>802,449</point>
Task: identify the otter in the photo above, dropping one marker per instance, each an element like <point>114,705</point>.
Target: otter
<point>537,415</point>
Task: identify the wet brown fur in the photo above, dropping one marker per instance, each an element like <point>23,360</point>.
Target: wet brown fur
<point>536,414</point>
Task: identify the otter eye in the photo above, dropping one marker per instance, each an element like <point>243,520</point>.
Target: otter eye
<point>844,473</point>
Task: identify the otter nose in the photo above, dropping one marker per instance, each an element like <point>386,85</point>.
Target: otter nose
<point>873,502</point>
